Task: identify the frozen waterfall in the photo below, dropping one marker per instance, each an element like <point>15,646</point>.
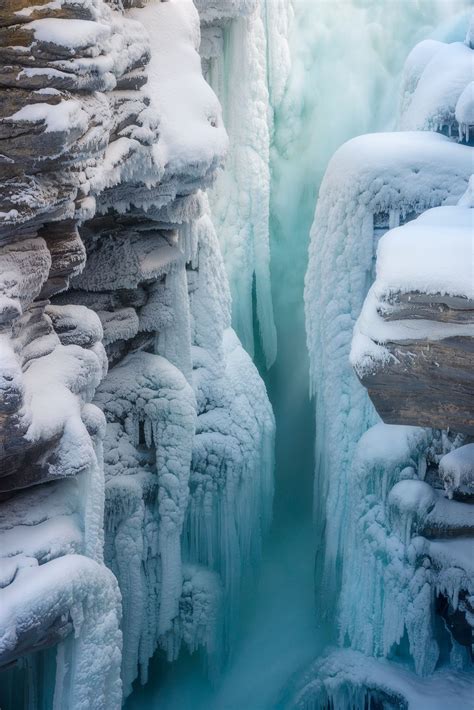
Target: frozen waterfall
<point>236,346</point>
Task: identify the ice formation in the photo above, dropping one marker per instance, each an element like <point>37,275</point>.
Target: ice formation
<point>247,39</point>
<point>137,436</point>
<point>372,183</point>
<point>136,444</point>
<point>402,492</point>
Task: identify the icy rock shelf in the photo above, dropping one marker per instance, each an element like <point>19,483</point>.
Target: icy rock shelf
<point>136,434</point>
<point>395,216</point>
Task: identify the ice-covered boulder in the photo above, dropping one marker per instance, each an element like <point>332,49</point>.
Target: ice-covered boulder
<point>372,183</point>
<point>344,678</point>
<point>457,471</point>
<point>437,90</point>
<point>413,342</point>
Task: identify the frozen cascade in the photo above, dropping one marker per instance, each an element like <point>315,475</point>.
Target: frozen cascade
<point>146,390</point>
<point>137,431</point>
<point>241,197</point>
<point>231,479</point>
<point>385,491</point>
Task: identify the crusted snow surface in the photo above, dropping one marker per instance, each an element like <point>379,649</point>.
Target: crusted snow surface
<point>386,176</point>
<point>348,679</point>
<point>65,116</point>
<point>42,523</point>
<point>192,134</point>
<point>72,586</point>
<point>431,255</point>
<point>457,470</point>
<point>436,76</point>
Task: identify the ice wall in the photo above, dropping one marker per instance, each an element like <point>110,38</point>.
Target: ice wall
<point>246,61</point>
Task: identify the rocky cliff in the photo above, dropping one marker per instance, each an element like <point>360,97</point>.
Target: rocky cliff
<point>389,290</point>
<point>136,434</point>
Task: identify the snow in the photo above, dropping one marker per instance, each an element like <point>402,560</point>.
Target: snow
<point>457,470</point>
<point>192,134</point>
<point>74,34</point>
<point>432,255</point>
<point>388,175</point>
<point>448,517</point>
<point>64,116</point>
<point>42,523</point>
<point>431,104</point>
<point>347,678</point>
<point>78,586</point>
<point>409,502</point>
<point>46,582</point>
<point>414,67</point>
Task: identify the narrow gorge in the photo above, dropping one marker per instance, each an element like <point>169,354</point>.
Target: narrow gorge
<point>236,354</point>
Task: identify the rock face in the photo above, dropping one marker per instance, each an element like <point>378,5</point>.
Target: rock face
<point>134,429</point>
<point>413,347</point>
<point>391,271</point>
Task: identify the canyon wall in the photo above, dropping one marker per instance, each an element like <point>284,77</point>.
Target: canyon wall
<point>389,289</point>
<point>137,437</point>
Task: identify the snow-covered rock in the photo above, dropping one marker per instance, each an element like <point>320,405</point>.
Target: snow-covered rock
<point>417,322</point>
<point>457,471</point>
<point>372,183</point>
<point>437,91</point>
<point>389,289</point>
<point>113,290</point>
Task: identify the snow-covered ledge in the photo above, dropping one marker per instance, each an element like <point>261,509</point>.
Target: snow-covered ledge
<point>110,262</point>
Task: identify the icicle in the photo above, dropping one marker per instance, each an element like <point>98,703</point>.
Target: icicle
<point>240,200</point>
<point>174,342</point>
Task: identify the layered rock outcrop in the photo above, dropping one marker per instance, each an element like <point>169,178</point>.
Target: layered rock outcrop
<point>414,346</point>
<point>136,450</point>
<point>395,218</point>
